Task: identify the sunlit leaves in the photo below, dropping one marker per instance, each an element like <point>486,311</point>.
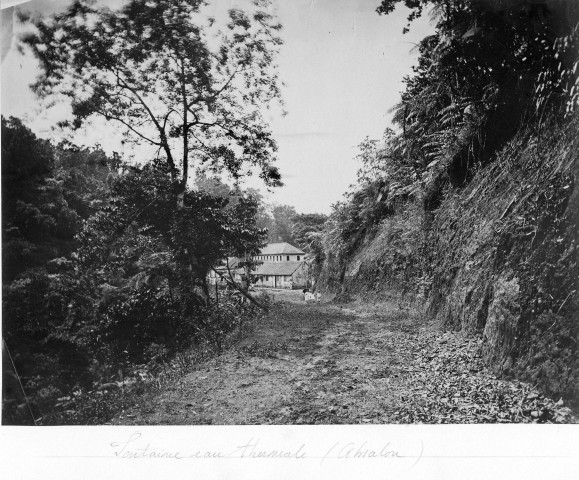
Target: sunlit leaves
<point>168,78</point>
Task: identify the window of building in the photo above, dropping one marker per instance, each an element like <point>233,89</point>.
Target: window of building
<point>288,258</point>
<point>298,258</point>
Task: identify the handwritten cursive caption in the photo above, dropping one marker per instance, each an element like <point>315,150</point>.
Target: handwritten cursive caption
<point>137,446</point>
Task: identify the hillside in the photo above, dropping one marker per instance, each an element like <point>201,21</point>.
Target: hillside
<point>470,206</point>
<point>497,260</point>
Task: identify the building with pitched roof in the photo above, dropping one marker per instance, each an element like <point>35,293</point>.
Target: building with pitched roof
<point>280,252</point>
<point>286,274</point>
<point>282,266</point>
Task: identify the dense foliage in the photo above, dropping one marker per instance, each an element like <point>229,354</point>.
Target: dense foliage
<point>170,77</point>
<point>470,202</point>
<point>103,270</point>
<point>307,231</point>
<point>47,193</point>
<point>490,68</point>
<point>106,264</point>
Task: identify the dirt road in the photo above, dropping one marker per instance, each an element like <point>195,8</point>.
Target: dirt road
<point>324,364</point>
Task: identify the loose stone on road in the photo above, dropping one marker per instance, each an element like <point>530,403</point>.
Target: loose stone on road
<point>327,364</point>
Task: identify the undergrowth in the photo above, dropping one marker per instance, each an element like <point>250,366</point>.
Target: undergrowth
<point>97,403</point>
<point>497,259</point>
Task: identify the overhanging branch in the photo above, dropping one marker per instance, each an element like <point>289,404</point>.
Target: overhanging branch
<point>231,282</point>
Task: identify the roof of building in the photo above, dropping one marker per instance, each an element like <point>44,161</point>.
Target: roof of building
<point>233,261</point>
<point>277,268</point>
<point>280,249</point>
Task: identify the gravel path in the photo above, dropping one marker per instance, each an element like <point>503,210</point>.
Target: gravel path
<point>326,364</point>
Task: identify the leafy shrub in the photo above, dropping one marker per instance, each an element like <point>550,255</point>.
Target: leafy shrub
<point>106,271</point>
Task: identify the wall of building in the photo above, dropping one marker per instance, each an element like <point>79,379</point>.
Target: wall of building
<point>267,281</point>
<point>280,258</point>
<point>274,281</point>
<point>215,279</point>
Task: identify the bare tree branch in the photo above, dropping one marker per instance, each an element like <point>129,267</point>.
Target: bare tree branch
<point>230,281</point>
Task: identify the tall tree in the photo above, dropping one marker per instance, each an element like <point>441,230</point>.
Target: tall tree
<point>307,228</point>
<point>308,231</point>
<point>282,223</point>
<point>47,193</point>
<point>170,78</point>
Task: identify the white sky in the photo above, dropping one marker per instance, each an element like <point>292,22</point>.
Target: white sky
<point>342,64</point>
